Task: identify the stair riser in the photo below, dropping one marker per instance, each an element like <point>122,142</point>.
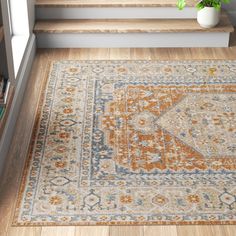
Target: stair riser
<point>116,13</point>
<point>132,40</point>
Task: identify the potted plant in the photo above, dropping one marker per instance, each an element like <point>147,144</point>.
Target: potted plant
<point>208,11</point>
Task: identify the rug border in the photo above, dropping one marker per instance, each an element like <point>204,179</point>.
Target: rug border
<point>28,158</point>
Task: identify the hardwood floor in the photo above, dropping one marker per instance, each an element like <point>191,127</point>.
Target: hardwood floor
<point>10,180</point>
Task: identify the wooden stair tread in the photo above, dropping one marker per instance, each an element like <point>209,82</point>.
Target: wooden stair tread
<point>128,26</point>
<point>1,33</point>
<point>110,3</point>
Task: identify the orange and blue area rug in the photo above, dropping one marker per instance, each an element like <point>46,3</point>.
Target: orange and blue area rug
<point>133,142</point>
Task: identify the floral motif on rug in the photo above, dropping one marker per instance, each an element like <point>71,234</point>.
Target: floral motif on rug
<point>133,142</point>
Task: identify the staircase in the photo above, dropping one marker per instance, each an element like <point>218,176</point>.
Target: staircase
<point>124,23</point>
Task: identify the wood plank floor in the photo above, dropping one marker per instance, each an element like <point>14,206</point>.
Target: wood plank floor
<point>10,180</point>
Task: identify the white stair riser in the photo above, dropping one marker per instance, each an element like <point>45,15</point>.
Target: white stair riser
<point>116,13</point>
<point>132,40</point>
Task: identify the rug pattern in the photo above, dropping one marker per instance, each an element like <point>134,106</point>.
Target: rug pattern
<point>133,142</point>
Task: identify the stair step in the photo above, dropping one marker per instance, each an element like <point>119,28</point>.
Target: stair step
<point>128,26</point>
<point>131,33</point>
<point>110,3</point>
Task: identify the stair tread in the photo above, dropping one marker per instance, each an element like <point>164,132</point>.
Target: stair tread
<point>111,3</point>
<point>129,26</point>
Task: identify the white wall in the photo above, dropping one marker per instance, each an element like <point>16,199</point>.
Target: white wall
<point>31,14</point>
<point>231,8</point>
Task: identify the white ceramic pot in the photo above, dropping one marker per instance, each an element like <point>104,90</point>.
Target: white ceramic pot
<point>208,17</point>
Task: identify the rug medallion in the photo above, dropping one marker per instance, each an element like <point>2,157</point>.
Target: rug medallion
<point>133,142</point>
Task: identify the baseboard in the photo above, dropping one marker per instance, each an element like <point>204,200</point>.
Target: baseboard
<point>22,79</point>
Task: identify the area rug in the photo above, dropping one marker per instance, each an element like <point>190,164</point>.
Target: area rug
<point>133,142</point>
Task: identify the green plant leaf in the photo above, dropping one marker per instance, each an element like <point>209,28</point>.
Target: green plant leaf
<point>226,1</point>
<point>200,6</point>
<point>217,6</point>
<point>204,3</point>
<point>181,4</point>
